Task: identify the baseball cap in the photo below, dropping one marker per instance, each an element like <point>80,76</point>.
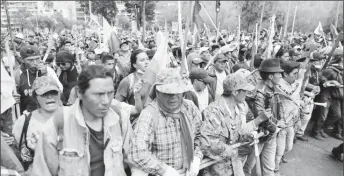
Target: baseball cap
<point>202,49</point>
<point>29,51</point>
<point>44,84</point>
<point>201,74</point>
<point>240,80</point>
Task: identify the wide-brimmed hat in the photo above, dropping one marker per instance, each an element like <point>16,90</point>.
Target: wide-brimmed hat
<point>270,66</point>
<point>169,81</point>
<point>240,80</point>
<point>44,84</point>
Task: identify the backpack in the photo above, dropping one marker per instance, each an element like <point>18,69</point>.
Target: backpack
<point>26,153</point>
<point>58,120</point>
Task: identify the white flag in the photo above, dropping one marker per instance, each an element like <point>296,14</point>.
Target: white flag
<point>319,30</point>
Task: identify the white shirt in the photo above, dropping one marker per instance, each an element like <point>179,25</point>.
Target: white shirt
<point>219,85</point>
<point>203,99</point>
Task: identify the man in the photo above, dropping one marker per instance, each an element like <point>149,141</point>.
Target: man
<point>87,138</point>
<point>225,125</point>
<point>124,58</point>
<point>68,74</point>
<point>32,68</point>
<point>231,52</point>
<point>332,93</point>
<point>270,72</point>
<point>166,137</point>
<point>219,72</point>
<point>290,86</point>
<point>204,52</point>
<point>311,90</point>
<point>214,49</point>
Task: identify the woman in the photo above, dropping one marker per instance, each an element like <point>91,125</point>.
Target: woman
<point>139,62</point>
<point>69,73</point>
<point>27,128</point>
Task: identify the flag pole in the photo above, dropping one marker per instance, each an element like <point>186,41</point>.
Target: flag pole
<point>212,22</point>
<point>336,24</point>
<point>261,18</point>
<point>16,108</point>
<point>254,48</point>
<point>286,21</point>
<point>188,20</point>
<point>292,29</point>
<point>143,20</point>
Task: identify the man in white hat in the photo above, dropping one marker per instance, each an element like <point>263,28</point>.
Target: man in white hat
<point>166,137</point>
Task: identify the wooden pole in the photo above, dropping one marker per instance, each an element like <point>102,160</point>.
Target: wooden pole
<point>261,18</point>
<point>286,21</point>
<point>187,26</point>
<point>292,29</point>
<point>254,48</point>
<point>16,108</point>
<point>143,20</point>
<point>336,24</point>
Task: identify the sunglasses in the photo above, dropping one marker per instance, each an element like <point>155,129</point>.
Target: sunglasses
<point>61,63</point>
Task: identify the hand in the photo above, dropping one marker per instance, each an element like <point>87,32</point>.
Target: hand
<point>316,90</point>
<point>171,172</point>
<point>137,87</point>
<point>16,98</point>
<point>42,68</point>
<point>31,141</point>
<point>194,167</point>
<point>7,138</point>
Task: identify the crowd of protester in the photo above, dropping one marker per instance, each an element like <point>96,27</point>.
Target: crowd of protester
<point>82,111</point>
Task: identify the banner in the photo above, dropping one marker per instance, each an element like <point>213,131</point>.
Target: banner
<point>93,23</point>
<point>175,26</point>
<point>319,30</point>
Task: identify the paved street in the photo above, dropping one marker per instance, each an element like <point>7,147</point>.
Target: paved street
<point>313,158</point>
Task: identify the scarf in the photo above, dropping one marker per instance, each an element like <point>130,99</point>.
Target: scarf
<point>186,137</point>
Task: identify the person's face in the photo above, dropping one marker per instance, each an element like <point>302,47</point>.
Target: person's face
<point>240,95</point>
<point>141,61</point>
<point>49,101</point>
<point>206,54</point>
<point>32,62</point>
<point>91,56</point>
<point>198,85</point>
<point>275,78</point>
<point>109,65</point>
<point>292,76</point>
<point>169,101</point>
<point>235,53</point>
<point>216,50</point>
<point>297,50</point>
<point>64,65</point>
<point>125,47</point>
<point>81,44</point>
<point>67,46</point>
<point>220,65</point>
<point>285,56</point>
<point>97,98</point>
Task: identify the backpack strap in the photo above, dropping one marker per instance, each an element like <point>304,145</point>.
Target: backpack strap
<point>59,124</point>
<point>25,127</point>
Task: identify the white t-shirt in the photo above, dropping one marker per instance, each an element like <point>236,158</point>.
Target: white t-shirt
<point>203,99</point>
<point>219,85</point>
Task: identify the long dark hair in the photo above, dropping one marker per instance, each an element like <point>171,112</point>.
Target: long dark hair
<point>133,59</point>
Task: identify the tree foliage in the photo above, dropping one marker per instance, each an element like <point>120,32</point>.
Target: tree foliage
<point>131,6</point>
<point>106,8</point>
<point>21,17</point>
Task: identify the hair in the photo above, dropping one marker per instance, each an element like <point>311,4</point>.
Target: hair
<point>265,75</point>
<point>289,66</point>
<point>106,57</point>
<point>280,52</point>
<point>133,59</point>
<point>91,72</point>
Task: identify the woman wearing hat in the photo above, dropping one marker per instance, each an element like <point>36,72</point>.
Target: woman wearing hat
<point>27,128</point>
<point>225,124</point>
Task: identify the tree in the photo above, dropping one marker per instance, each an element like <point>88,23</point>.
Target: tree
<point>43,22</point>
<point>106,8</point>
<point>131,6</point>
<point>22,18</point>
<point>124,22</point>
<point>48,4</point>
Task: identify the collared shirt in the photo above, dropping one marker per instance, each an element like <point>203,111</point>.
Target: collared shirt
<point>219,85</point>
<point>156,140</point>
<point>222,128</point>
<point>74,158</point>
<point>203,98</point>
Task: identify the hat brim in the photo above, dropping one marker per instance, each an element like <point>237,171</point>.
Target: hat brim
<point>172,88</point>
<point>198,60</point>
<point>45,89</point>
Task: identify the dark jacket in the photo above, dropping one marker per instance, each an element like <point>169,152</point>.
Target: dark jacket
<point>69,79</point>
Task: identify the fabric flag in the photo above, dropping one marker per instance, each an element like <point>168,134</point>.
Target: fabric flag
<point>113,42</point>
<point>107,29</point>
<point>319,30</point>
<point>195,36</point>
<point>7,84</point>
<point>160,61</point>
<point>196,18</point>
